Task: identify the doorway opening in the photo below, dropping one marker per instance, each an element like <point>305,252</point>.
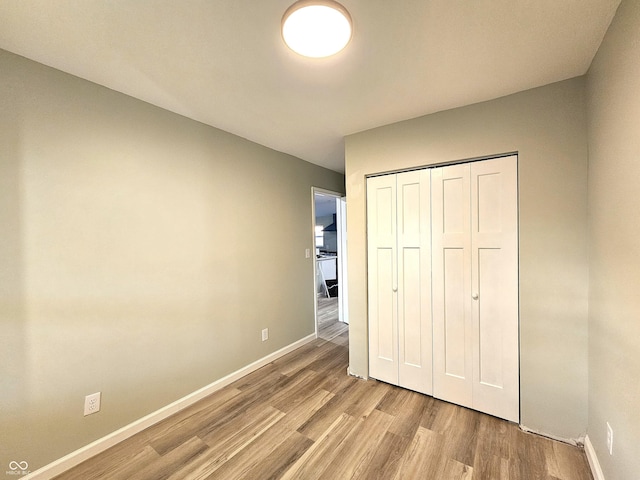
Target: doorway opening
<point>330,240</point>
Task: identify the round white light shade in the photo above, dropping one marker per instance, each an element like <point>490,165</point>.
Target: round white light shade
<point>316,29</point>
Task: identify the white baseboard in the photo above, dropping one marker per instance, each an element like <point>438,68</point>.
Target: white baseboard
<point>75,458</point>
<point>594,463</point>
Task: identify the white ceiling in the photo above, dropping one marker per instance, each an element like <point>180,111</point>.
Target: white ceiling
<point>223,63</point>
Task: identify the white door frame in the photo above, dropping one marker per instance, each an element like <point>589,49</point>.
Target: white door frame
<point>340,226</point>
<point>341,220</point>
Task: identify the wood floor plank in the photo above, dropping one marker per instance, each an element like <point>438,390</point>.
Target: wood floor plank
<point>359,446</point>
<point>228,442</point>
<point>459,428</point>
<point>423,456</point>
<point>357,399</point>
<point>198,469</point>
<point>302,412</point>
<point>166,465</point>
<point>342,339</point>
<point>302,417</point>
<point>319,456</point>
<point>320,421</point>
<point>265,377</point>
<point>333,331</point>
<point>281,459</point>
<point>337,381</point>
<point>431,412</point>
<point>116,464</point>
<point>393,400</point>
<point>566,462</point>
<point>168,434</point>
<point>491,457</point>
<point>367,399</point>
<point>329,326</point>
<point>454,470</point>
<point>296,391</point>
<point>491,467</point>
<point>242,429</point>
<point>527,456</point>
<point>263,450</point>
<point>329,361</point>
<point>270,370</point>
<point>315,350</point>
<point>407,407</point>
<point>237,406</point>
<point>385,461</point>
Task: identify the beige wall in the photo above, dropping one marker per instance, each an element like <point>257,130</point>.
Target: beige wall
<point>141,255</point>
<point>547,127</point>
<point>614,234</point>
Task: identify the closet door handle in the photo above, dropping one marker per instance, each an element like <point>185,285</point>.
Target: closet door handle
<point>475,296</point>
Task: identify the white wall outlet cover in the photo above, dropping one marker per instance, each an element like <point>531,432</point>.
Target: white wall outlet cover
<point>92,403</point>
<point>609,439</point>
<point>265,334</point>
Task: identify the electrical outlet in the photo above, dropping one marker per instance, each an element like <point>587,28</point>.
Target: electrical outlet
<point>265,334</point>
<point>609,439</point>
<point>307,253</point>
<point>92,403</point>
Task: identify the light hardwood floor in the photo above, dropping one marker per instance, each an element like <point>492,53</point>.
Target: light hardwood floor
<point>303,417</point>
<point>328,325</point>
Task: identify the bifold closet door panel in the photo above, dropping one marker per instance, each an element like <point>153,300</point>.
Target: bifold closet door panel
<point>399,279</point>
<point>494,206</point>
<point>451,284</point>
<point>414,281</point>
<point>382,280</point>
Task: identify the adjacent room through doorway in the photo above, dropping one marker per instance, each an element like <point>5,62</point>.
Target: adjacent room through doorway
<point>330,271</point>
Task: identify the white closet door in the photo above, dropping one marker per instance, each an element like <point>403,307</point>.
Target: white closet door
<point>414,281</point>
<point>399,276</point>
<point>475,286</point>
<point>451,247</point>
<point>494,219</point>
<point>382,279</point>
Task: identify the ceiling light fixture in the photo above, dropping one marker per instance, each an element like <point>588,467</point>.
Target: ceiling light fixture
<point>316,28</point>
